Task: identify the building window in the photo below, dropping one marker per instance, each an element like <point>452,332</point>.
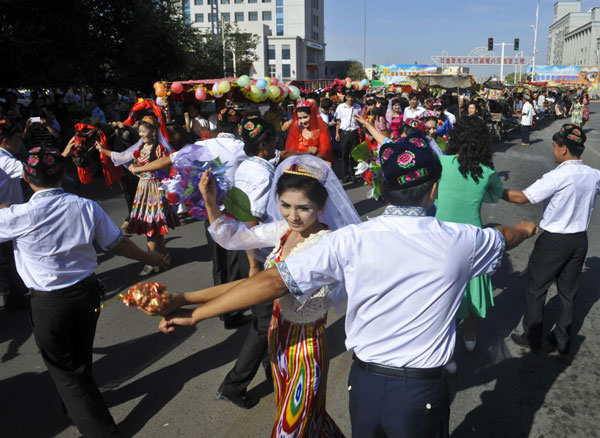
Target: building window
<point>252,1</point>
<point>286,71</point>
<point>315,4</point>
<point>271,51</point>
<point>198,2</point>
<point>272,70</point>
<point>226,17</point>
<point>315,20</point>
<point>237,2</point>
<point>285,51</point>
<point>316,36</point>
<point>186,11</point>
<point>266,1</point>
<point>224,2</point>
<point>266,15</point>
<point>239,16</point>
<point>252,16</point>
<point>199,18</point>
<point>212,17</point>
<point>279,16</point>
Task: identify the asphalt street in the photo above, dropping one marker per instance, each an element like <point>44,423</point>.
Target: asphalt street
<point>159,385</point>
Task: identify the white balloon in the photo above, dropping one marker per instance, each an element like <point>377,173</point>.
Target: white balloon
<point>160,101</point>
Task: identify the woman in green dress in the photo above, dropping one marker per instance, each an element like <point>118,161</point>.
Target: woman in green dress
<point>577,111</point>
<point>468,179</point>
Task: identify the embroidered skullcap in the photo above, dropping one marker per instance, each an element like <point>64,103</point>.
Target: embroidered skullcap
<point>409,162</point>
<point>254,130</point>
<point>438,104</point>
<point>427,114</point>
<point>43,161</point>
<point>573,136</point>
<point>416,123</point>
<point>229,115</point>
<point>302,103</point>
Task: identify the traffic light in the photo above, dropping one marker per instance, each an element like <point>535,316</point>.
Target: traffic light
<point>490,44</point>
<point>516,43</point>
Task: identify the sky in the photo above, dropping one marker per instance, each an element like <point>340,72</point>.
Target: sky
<point>402,32</point>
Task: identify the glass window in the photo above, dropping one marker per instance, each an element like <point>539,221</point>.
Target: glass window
<point>252,1</point>
<point>286,71</point>
<point>199,18</point>
<point>226,16</point>
<point>315,20</point>
<point>198,2</point>
<point>210,17</point>
<point>279,30</point>
<point>239,16</point>
<point>285,51</point>
<point>252,16</point>
<point>224,2</point>
<point>266,1</point>
<point>266,15</point>
<point>279,2</point>
<point>272,70</point>
<point>237,2</point>
<point>271,51</point>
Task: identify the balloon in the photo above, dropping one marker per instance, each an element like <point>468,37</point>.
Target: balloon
<point>160,101</point>
<point>274,81</point>
<point>274,91</point>
<point>215,88</point>
<point>255,92</point>
<point>356,85</point>
<point>160,90</point>
<point>224,87</point>
<point>343,83</point>
<point>365,82</point>
<point>294,92</point>
<point>200,94</point>
<point>176,87</point>
<point>348,79</point>
<point>156,84</point>
<point>243,81</point>
<point>348,84</point>
<point>284,92</point>
<point>268,79</point>
<point>262,84</point>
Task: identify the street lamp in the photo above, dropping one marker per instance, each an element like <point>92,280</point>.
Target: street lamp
<point>535,30</point>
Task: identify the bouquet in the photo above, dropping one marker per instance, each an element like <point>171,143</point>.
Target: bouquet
<point>368,168</point>
<point>151,296</point>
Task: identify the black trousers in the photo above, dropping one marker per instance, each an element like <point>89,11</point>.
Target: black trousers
<point>64,326</point>
<point>394,407</point>
<point>253,353</point>
<point>560,258</point>
<point>16,287</point>
<point>228,266</point>
<point>348,141</point>
<point>525,133</point>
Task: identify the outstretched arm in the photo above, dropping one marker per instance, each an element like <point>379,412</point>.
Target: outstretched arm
<point>513,236</point>
<point>377,135</point>
<point>514,196</point>
<point>159,164</point>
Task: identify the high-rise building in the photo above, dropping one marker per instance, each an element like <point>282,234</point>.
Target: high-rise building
<point>574,36</point>
<point>291,32</point>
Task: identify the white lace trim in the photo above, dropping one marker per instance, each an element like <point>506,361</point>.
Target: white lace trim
<point>317,305</point>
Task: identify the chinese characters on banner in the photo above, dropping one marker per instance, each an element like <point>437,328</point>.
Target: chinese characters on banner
<point>478,60</point>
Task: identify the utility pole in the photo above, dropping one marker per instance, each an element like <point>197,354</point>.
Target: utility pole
<point>535,29</point>
<point>502,65</point>
<point>365,39</point>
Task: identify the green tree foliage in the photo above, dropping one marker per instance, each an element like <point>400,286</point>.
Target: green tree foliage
<point>513,79</point>
<point>356,71</point>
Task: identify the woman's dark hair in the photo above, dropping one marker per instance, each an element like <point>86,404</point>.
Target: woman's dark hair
<point>413,95</point>
<point>379,111</point>
<point>8,129</point>
<point>411,197</point>
<point>155,144</point>
<point>574,148</point>
<point>470,140</point>
<point>404,103</point>
<point>311,187</point>
<point>303,109</point>
<point>252,144</point>
<point>179,136</point>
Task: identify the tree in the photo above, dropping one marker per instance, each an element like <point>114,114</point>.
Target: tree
<point>340,69</point>
<point>513,78</point>
<point>356,71</point>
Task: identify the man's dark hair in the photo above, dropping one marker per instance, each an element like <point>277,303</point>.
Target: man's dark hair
<point>326,103</point>
<point>411,197</point>
<point>413,95</point>
<point>49,107</point>
<point>312,95</point>
<point>574,148</point>
<point>227,128</point>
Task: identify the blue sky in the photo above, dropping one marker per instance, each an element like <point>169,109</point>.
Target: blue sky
<point>402,32</point>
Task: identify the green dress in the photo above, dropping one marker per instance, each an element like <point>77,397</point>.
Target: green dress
<point>459,200</point>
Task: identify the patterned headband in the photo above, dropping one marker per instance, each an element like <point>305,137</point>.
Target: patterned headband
<point>416,123</point>
<point>296,169</point>
<point>303,104</point>
<point>150,120</point>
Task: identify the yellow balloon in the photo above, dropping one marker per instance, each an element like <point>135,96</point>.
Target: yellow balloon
<point>268,79</point>
<point>255,92</point>
<point>224,87</point>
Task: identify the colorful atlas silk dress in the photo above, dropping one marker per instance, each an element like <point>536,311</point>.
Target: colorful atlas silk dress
<point>151,213</point>
<point>300,359</point>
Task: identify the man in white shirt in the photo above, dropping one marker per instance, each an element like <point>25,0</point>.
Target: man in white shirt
<point>400,319</point>
<point>569,194</point>
<point>54,235</point>
<point>346,133</point>
<point>198,124</point>
<point>526,119</point>
<point>541,104</point>
<point>413,110</point>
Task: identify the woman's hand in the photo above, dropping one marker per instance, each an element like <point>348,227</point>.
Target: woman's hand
<point>69,147</point>
<point>99,147</point>
<point>135,169</point>
<point>181,317</point>
<point>175,302</point>
<point>208,187</point>
<point>313,150</point>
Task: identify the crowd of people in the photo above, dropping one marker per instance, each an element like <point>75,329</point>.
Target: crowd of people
<point>304,249</point>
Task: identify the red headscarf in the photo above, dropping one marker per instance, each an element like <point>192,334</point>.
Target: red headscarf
<point>320,139</point>
<point>157,110</point>
<point>110,171</point>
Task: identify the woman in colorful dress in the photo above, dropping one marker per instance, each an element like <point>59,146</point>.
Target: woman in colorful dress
<point>577,111</point>
<point>585,111</point>
<point>394,117</point>
<point>307,201</point>
<point>151,214</point>
<point>468,179</point>
<point>308,133</point>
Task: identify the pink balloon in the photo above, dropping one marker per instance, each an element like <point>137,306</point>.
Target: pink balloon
<point>343,83</point>
<point>200,94</point>
<point>176,87</point>
<point>348,79</point>
<point>274,81</point>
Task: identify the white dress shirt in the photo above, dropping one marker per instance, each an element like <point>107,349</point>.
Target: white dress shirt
<point>528,111</point>
<point>11,172</point>
<point>254,177</point>
<point>53,237</point>
<point>409,113</point>
<point>345,114</point>
<point>569,192</point>
<point>405,276</point>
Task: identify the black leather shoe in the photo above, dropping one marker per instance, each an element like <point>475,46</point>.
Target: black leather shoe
<point>552,340</point>
<point>241,401</point>
<point>521,341</point>
<point>233,322</point>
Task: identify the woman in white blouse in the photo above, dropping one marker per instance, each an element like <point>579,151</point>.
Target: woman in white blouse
<point>308,201</point>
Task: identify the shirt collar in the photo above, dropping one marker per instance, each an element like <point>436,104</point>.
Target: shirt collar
<point>47,192</point>
<point>393,210</point>
<point>226,135</point>
<point>7,153</point>
<point>570,163</point>
<point>262,162</point>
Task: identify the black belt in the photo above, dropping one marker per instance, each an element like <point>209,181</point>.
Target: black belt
<point>86,282</point>
<point>403,372</point>
<point>348,131</point>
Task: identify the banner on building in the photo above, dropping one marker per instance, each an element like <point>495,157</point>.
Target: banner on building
<point>566,74</point>
<point>480,60</point>
<point>398,73</point>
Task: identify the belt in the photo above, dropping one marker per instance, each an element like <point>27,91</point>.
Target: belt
<point>403,372</point>
<point>86,282</point>
<point>349,131</point>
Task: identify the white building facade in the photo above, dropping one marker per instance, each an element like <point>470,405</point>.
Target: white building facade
<point>291,33</point>
<point>574,36</point>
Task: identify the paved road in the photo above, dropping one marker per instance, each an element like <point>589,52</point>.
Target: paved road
<point>163,386</point>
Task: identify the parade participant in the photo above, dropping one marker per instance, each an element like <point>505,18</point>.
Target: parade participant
<point>347,132</point>
<point>394,117</point>
<point>468,179</point>
<point>432,130</point>
<point>151,214</point>
<point>97,115</point>
<point>585,111</point>
<point>526,119</point>
<point>379,116</point>
<point>414,110</point>
<point>400,323</point>
<point>569,194</point>
<point>54,236</point>
<point>198,126</point>
<point>472,110</point>
<point>576,111</point>
<point>308,133</point>
<point>306,201</point>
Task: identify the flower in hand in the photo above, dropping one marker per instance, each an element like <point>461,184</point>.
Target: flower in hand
<point>150,297</point>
